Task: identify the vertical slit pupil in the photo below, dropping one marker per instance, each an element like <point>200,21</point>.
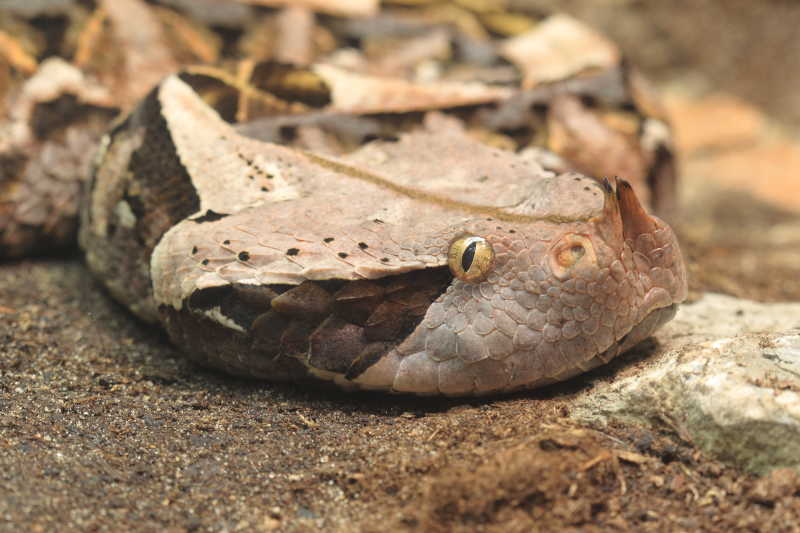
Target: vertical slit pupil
<point>468,256</point>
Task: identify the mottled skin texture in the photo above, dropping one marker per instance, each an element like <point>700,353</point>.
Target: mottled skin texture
<point>281,264</point>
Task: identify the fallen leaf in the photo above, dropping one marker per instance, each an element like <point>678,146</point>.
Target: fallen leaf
<point>558,48</point>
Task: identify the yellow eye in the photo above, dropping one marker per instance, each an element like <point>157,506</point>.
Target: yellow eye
<point>470,258</point>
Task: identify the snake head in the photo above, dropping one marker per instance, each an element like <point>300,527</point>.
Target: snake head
<point>560,297</point>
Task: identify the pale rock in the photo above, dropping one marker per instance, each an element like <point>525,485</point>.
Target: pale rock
<point>727,380</point>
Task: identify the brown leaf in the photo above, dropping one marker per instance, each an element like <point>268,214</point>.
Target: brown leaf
<point>129,58</point>
<point>56,120</point>
<point>400,56</point>
<point>14,53</point>
<point>199,43</point>
<point>295,27</point>
<point>350,8</point>
<point>558,48</point>
<point>146,54</point>
<point>592,147</point>
<point>358,93</point>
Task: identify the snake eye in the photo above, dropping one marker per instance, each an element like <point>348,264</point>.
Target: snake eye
<point>470,258</point>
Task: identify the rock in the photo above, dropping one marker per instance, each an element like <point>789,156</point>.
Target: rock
<point>728,380</point>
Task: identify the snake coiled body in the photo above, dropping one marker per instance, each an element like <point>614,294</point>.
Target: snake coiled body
<point>474,220</point>
<point>280,263</point>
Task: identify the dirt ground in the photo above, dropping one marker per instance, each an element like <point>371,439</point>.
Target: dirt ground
<point>105,427</point>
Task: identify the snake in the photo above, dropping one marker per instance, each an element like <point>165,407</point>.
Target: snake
<point>429,261</point>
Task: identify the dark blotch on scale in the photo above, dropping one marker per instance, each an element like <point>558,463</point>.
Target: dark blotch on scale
<point>211,344</point>
<point>335,344</point>
<point>371,317</point>
<point>357,300</point>
<point>209,216</point>
<point>240,303</point>
<point>370,355</point>
<point>333,325</point>
<point>305,300</point>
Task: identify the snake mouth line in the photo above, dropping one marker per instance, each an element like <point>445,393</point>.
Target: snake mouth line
<point>652,321</point>
<point>639,332</point>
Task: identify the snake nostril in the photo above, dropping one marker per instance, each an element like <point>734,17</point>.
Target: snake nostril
<point>570,251</point>
<point>569,256</point>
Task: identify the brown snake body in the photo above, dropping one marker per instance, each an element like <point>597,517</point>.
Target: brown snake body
<point>456,255</point>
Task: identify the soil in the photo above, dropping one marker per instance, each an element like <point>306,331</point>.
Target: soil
<point>105,427</point>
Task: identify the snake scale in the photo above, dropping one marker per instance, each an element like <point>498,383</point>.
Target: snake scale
<point>387,233</point>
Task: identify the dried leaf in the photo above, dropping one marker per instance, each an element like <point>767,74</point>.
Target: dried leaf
<point>199,43</point>
<point>45,156</point>
<point>147,56</point>
<point>54,78</point>
<point>592,147</point>
<point>508,24</point>
<point>295,44</point>
<point>558,48</point>
<point>466,21</point>
<point>350,8</point>
<point>89,38</point>
<point>13,52</point>
<point>358,93</point>
<point>401,56</point>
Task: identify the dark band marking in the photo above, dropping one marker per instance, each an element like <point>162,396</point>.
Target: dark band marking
<point>167,193</point>
<point>230,302</point>
<point>247,89</point>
